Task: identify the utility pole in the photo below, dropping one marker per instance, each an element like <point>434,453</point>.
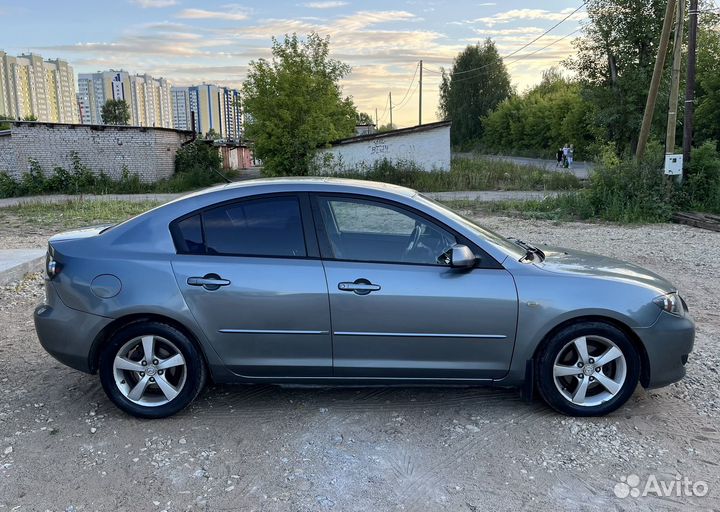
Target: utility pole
<point>675,81</point>
<point>420,86</point>
<point>655,82</point>
<point>376,119</point>
<point>391,123</point>
<point>690,83</point>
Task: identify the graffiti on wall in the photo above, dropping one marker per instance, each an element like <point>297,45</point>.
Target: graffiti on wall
<point>378,147</point>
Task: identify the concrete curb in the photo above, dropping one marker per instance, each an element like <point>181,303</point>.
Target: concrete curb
<point>16,271</point>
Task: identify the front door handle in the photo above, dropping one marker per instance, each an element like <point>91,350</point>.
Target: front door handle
<point>208,281</point>
<point>359,286</point>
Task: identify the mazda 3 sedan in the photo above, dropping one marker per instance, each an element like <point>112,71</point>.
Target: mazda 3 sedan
<point>331,282</point>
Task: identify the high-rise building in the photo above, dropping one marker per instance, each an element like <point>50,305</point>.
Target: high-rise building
<point>215,108</point>
<point>148,98</point>
<point>33,87</point>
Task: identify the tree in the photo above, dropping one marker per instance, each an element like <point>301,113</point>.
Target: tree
<point>707,117</point>
<point>295,104</point>
<point>614,62</point>
<point>549,115</point>
<point>30,117</point>
<point>387,127</point>
<point>364,118</point>
<point>212,134</point>
<point>116,112</point>
<point>477,83</point>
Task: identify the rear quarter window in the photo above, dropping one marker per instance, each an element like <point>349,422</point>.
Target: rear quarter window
<point>188,235</point>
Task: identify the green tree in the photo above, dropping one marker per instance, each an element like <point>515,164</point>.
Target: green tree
<point>30,117</point>
<point>364,118</point>
<point>614,61</point>
<point>116,112</point>
<point>387,127</point>
<point>546,117</point>
<point>295,104</point>
<point>707,111</point>
<point>212,134</point>
<point>477,83</point>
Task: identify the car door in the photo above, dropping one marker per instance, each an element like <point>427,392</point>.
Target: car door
<point>398,309</point>
<point>251,275</point>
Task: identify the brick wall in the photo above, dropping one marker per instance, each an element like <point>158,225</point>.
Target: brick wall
<point>147,152</point>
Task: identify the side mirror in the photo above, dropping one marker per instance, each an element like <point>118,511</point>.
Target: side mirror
<point>461,256</point>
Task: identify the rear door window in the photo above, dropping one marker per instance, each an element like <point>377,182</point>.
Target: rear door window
<point>260,227</point>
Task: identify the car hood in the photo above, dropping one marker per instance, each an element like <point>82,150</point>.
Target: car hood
<point>567,261</point>
<point>77,234</point>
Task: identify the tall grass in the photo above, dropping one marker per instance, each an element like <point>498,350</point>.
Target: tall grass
<point>465,174</point>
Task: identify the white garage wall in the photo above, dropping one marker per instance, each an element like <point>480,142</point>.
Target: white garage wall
<point>427,146</point>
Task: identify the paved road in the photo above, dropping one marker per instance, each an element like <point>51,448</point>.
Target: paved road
<point>580,169</point>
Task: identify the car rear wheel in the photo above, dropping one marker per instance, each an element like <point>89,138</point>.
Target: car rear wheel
<point>588,369</point>
<point>151,370</point>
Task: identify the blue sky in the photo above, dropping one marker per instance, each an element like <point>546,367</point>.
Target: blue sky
<point>213,41</point>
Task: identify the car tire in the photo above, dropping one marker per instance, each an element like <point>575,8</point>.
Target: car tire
<point>151,370</point>
<point>590,381</point>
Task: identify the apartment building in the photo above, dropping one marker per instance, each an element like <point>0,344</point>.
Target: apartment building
<point>215,108</point>
<point>149,98</point>
<point>31,87</point>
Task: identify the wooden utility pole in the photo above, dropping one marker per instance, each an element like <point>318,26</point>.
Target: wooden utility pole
<point>690,83</point>
<point>420,86</point>
<point>655,82</point>
<point>391,123</point>
<point>675,81</point>
<point>376,119</point>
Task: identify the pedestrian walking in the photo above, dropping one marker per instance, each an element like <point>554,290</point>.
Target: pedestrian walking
<point>559,157</point>
<point>570,155</point>
<point>566,151</point>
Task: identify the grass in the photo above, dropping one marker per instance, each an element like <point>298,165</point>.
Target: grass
<point>468,174</point>
<point>78,213</point>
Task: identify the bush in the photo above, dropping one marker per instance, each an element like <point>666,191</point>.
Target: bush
<point>702,186</point>
<point>196,156</point>
<point>196,164</point>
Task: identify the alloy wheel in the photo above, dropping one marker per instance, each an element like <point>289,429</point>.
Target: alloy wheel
<point>149,370</point>
<point>589,370</point>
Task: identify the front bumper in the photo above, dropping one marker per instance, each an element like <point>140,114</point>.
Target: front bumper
<point>668,342</point>
<point>67,334</point>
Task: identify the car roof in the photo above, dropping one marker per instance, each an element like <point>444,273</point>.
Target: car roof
<point>305,183</point>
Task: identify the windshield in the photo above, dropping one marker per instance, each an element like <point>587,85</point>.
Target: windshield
<point>502,243</point>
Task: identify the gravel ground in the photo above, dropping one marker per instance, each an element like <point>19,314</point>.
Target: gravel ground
<point>63,446</point>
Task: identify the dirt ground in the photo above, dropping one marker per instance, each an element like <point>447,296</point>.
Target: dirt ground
<point>63,446</point>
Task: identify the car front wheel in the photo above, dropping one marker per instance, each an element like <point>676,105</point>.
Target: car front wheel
<point>151,370</point>
<point>588,369</point>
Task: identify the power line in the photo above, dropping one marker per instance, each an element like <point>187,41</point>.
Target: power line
<point>525,56</point>
<point>524,46</point>
<point>417,66</point>
<point>401,104</point>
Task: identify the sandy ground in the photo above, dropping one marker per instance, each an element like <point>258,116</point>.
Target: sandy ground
<point>63,446</point>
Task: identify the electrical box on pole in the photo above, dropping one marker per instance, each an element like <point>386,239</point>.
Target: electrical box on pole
<point>673,165</point>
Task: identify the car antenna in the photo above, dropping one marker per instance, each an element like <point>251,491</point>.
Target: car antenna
<point>228,180</point>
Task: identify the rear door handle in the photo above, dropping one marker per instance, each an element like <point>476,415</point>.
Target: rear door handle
<point>359,286</point>
<point>208,281</point>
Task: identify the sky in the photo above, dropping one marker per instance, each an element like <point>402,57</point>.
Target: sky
<point>213,41</point>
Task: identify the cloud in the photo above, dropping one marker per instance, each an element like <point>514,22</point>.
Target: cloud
<point>324,5</point>
<point>154,4</point>
<point>230,12</point>
<point>527,14</point>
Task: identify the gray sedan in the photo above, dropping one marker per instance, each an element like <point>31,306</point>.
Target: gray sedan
<point>332,282</point>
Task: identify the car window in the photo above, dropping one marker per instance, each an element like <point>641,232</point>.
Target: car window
<point>261,227</point>
<point>365,230</point>
<point>358,217</point>
<point>189,237</point>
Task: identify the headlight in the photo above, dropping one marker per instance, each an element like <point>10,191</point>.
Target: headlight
<point>671,303</point>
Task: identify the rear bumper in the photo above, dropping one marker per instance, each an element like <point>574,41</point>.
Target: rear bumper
<point>668,343</point>
<point>65,333</point>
